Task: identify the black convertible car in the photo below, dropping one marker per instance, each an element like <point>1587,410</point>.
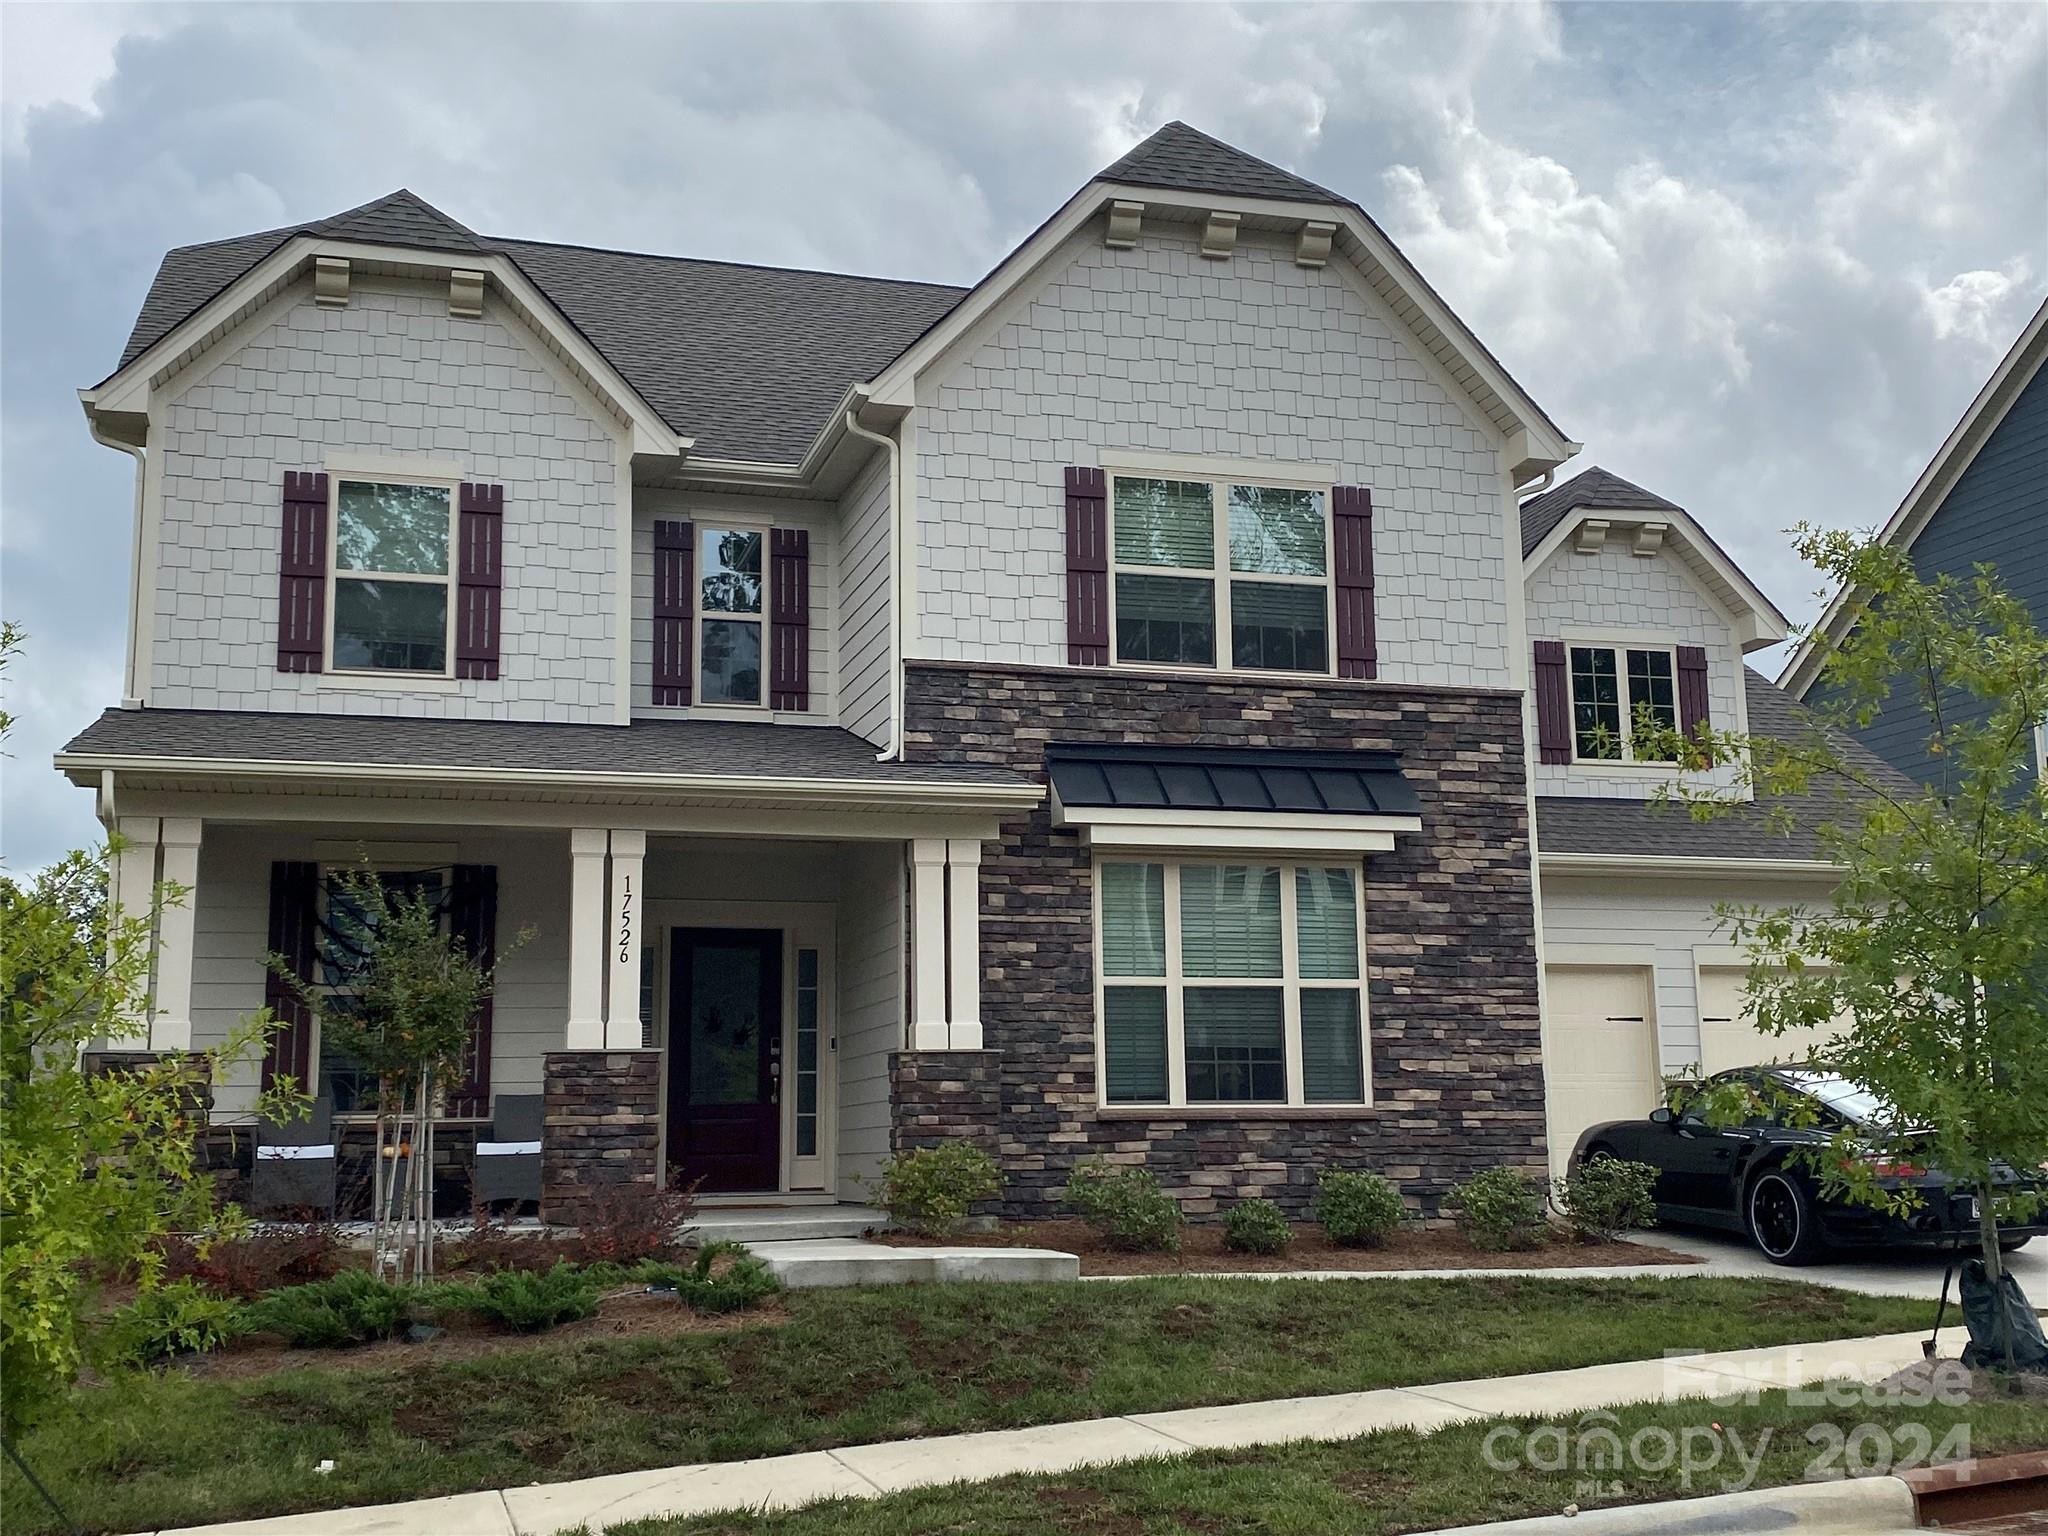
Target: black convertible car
<point>1744,1179</point>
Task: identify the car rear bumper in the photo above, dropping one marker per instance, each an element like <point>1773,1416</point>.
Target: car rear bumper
<point>1945,1221</point>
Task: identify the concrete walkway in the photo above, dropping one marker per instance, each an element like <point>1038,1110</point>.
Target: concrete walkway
<point>866,1471</point>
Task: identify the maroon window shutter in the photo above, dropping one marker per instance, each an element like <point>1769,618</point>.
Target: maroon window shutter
<point>288,1051</point>
<point>1553,704</point>
<point>1087,567</point>
<point>1358,651</point>
<point>302,574</point>
<point>1692,689</point>
<point>473,923</point>
<point>479,580</point>
<point>789,666</point>
<point>675,605</point>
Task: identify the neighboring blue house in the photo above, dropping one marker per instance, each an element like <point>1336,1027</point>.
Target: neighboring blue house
<point>1982,501</point>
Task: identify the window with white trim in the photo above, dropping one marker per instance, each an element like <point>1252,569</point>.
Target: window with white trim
<point>390,601</point>
<point>1231,983</point>
<point>1613,687</point>
<point>732,635</point>
<point>1195,561</point>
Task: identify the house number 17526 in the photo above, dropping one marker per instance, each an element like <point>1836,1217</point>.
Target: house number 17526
<point>625,919</point>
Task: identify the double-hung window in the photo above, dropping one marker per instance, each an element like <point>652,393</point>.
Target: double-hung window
<point>1220,573</point>
<point>347,925</point>
<point>1229,983</point>
<point>1614,687</point>
<point>731,564</point>
<point>392,609</point>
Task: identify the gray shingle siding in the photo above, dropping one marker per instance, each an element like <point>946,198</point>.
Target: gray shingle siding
<point>1995,514</point>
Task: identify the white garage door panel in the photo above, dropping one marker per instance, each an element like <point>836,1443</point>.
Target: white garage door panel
<point>1601,1049</point>
<point>1729,1037</point>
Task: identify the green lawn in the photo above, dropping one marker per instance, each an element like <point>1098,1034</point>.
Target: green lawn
<point>847,1367</point>
<point>1397,1480</point>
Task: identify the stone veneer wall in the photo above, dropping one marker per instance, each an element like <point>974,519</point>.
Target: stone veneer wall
<point>942,1096</point>
<point>1452,1013</point>
<point>601,1125</point>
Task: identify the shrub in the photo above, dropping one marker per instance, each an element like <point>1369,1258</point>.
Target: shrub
<point>256,1262</point>
<point>353,1307</point>
<point>1498,1209</point>
<point>630,1222</point>
<point>1126,1206</point>
<point>931,1189</point>
<point>723,1278</point>
<point>524,1301</point>
<point>1606,1196</point>
<point>179,1317</point>
<point>1256,1226</point>
<point>492,1245</point>
<point>1358,1210</point>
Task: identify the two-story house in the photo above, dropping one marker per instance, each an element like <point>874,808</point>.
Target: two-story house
<point>1982,500</point>
<point>1110,709</point>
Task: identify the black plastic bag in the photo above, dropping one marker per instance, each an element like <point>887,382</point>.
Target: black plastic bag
<point>1981,1308</point>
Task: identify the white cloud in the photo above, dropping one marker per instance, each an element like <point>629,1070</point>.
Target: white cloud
<point>1977,306</point>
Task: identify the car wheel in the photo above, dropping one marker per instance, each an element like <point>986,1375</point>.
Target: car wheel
<point>1781,1218</point>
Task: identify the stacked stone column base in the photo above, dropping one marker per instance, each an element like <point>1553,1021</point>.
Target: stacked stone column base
<point>601,1128</point>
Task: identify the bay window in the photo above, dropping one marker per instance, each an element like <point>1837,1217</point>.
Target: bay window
<point>1613,688</point>
<point>391,609</point>
<point>1231,983</point>
<point>1220,573</point>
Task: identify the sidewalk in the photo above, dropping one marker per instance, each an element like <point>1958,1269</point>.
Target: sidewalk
<point>866,1471</point>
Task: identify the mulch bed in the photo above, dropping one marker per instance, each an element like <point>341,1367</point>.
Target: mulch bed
<point>625,1314</point>
<point>1202,1251</point>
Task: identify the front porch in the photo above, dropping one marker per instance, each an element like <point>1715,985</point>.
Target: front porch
<point>720,989</point>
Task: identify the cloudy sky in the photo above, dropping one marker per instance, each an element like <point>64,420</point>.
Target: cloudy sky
<point>1757,258</point>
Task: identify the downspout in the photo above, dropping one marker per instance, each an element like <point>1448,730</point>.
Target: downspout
<point>894,751</point>
<point>131,694</point>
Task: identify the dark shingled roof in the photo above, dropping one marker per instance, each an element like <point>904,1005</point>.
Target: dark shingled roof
<point>764,752</point>
<point>1231,779</point>
<point>1593,487</point>
<point>1593,824</point>
<point>1185,159</point>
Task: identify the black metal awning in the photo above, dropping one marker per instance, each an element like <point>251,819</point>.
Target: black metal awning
<point>1230,779</point>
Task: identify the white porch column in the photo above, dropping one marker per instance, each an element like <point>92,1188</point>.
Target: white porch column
<point>928,944</point>
<point>963,926</point>
<point>586,939</point>
<point>133,891</point>
<point>170,1027</point>
<point>622,942</point>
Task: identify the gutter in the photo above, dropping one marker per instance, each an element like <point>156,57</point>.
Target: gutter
<point>131,694</point>
<point>894,751</point>
<point>1678,866</point>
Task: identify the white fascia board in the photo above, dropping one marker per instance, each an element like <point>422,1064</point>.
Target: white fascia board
<point>1758,622</point>
<point>128,388</point>
<point>1673,866</point>
<point>1957,452</point>
<point>85,768</point>
<point>1232,831</point>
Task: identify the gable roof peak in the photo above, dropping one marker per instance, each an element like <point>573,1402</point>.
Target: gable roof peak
<point>402,217</point>
<point>1181,158</point>
<point>1592,487</point>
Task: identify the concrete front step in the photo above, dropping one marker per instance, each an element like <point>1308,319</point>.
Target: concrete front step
<point>782,1223</point>
<point>845,1261</point>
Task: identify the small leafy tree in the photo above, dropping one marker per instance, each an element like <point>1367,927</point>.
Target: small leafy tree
<point>402,1006</point>
<point>1935,948</point>
<point>95,1168</point>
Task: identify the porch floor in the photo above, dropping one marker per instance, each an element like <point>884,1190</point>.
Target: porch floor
<point>782,1223</point>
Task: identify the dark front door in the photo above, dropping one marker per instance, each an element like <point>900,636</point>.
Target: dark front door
<point>725,1055</point>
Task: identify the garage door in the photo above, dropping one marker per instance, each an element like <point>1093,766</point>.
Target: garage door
<point>1729,1038</point>
<point>1600,1052</point>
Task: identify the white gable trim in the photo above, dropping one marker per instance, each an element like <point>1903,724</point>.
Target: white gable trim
<point>128,389</point>
<point>1424,316</point>
<point>1958,451</point>
<point>1720,581</point>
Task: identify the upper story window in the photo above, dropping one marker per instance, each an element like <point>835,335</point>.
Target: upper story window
<point>730,563</point>
<point>390,607</point>
<point>1231,983</point>
<point>1612,688</point>
<point>1220,573</point>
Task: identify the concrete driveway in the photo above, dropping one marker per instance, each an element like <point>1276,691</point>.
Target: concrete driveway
<point>1904,1273</point>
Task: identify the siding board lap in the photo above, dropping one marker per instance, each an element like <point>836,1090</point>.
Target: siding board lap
<point>302,574</point>
<point>675,588</point>
<point>1087,567</point>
